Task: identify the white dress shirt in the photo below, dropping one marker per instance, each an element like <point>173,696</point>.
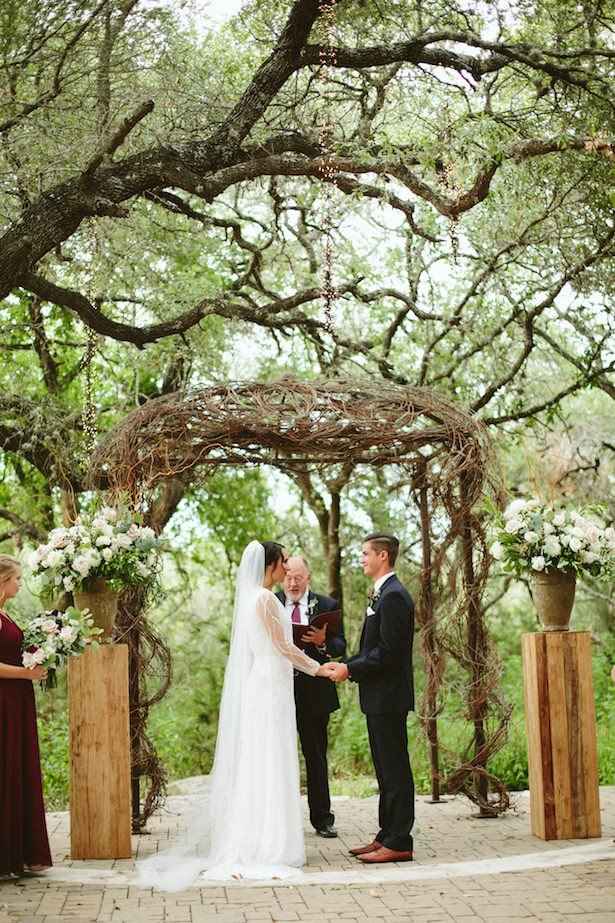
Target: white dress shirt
<point>378,583</point>
<point>303,607</point>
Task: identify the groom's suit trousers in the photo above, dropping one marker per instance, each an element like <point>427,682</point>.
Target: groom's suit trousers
<point>388,741</point>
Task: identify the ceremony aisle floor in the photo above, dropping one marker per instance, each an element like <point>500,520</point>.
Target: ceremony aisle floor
<point>466,870</point>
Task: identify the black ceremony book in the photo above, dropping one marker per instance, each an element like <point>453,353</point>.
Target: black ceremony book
<point>333,621</point>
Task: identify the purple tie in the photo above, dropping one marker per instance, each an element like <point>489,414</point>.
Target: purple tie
<point>296,615</point>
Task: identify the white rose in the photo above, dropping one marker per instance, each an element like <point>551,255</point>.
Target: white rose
<point>538,563</point>
<point>514,525</point>
<point>103,540</point>
<point>68,634</point>
<point>575,544</point>
<point>552,547</point>
<point>54,558</point>
<point>148,533</point>
<point>559,519</point>
<point>107,554</point>
<point>141,569</point>
<point>123,540</point>
<point>49,626</point>
<point>548,528</point>
<point>497,551</point>
<point>531,537</point>
<point>588,557</point>
<point>513,508</point>
<point>38,656</point>
<point>58,538</point>
<point>82,565</point>
<point>28,660</point>
<point>592,533</point>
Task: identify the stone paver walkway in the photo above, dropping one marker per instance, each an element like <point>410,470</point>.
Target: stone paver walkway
<point>466,871</point>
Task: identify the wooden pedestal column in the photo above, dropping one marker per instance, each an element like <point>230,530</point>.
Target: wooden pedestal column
<point>561,731</point>
<point>100,823</point>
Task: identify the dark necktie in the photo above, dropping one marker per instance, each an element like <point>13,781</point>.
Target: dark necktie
<point>296,615</point>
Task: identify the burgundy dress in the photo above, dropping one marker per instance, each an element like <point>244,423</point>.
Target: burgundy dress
<point>23,831</point>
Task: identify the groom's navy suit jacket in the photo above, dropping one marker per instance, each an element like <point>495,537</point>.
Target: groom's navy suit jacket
<point>316,693</point>
<point>383,666</point>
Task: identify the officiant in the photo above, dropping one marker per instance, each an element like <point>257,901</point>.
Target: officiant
<point>315,698</point>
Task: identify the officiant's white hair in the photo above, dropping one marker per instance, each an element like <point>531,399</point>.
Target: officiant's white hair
<point>303,559</point>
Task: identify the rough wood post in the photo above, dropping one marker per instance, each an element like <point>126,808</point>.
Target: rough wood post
<point>476,653</point>
<point>561,733</point>
<point>426,620</point>
<point>99,753</point>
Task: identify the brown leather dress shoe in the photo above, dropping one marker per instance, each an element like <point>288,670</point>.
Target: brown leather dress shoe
<point>361,850</point>
<point>384,854</point>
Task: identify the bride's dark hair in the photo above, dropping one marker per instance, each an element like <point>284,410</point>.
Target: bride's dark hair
<point>273,552</point>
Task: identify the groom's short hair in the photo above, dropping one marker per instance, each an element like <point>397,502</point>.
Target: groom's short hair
<point>384,541</point>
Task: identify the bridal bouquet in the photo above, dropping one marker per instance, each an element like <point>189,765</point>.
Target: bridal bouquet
<point>106,544</point>
<point>53,636</point>
<point>535,537</point>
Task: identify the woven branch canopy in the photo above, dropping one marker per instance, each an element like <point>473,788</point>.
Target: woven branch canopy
<point>296,424</point>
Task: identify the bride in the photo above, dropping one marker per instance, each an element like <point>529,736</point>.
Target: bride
<point>250,825</point>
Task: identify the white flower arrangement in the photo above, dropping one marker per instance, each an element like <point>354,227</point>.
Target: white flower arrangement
<point>106,544</point>
<point>536,537</point>
<point>53,636</point>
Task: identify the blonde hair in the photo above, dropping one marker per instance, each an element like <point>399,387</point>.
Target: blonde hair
<point>9,566</point>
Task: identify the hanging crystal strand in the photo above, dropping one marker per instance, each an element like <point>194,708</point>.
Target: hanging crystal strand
<point>88,414</point>
<point>326,170</point>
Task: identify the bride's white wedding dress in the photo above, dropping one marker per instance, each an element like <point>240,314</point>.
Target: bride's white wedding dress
<point>249,824</point>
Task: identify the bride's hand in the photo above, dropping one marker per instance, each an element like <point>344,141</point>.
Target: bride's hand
<point>327,670</point>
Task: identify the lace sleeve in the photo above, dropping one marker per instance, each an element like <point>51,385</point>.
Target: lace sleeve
<point>267,611</point>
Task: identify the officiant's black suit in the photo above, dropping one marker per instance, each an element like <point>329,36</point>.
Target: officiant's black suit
<point>383,671</point>
<point>315,699</point>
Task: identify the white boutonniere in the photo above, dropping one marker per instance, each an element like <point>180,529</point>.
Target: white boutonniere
<point>372,602</point>
<point>312,606</point>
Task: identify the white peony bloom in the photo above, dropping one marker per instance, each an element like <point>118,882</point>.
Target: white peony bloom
<point>103,540</point>
<point>514,525</point>
<point>552,547</point>
<point>538,563</point>
<point>548,528</point>
<point>514,508</point>
<point>531,537</point>
<point>575,543</point>
<point>82,565</point>
<point>54,558</point>
<point>497,551</point>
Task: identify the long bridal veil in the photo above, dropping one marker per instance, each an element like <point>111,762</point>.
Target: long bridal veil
<point>205,844</point>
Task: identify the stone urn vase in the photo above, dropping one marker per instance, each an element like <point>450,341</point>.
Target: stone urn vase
<point>553,594</point>
<point>97,596</point>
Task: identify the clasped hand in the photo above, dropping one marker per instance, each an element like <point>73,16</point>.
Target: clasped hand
<point>336,672</point>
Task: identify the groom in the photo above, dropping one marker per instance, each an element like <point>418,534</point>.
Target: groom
<point>383,671</point>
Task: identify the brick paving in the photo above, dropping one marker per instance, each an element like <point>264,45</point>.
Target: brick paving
<point>466,870</point>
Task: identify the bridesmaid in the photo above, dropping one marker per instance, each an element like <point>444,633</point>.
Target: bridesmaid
<point>23,832</point>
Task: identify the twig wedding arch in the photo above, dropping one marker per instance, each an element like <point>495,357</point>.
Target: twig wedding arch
<point>444,452</point>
